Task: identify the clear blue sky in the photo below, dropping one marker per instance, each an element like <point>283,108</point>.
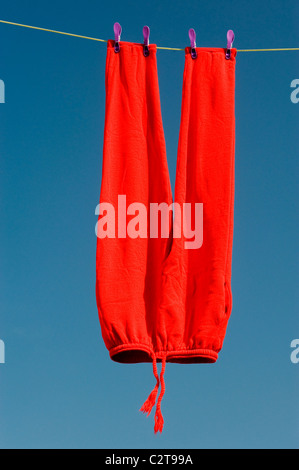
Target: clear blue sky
<point>58,387</point>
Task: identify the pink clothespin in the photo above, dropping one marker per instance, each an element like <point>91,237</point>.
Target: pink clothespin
<point>192,37</point>
<point>117,32</point>
<point>146,33</point>
<point>230,39</point>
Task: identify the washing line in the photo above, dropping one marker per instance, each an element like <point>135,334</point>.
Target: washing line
<point>158,47</point>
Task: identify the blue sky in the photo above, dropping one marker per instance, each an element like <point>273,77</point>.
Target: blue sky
<point>58,387</point>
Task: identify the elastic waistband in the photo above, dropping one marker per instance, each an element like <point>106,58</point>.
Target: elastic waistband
<point>196,355</point>
<point>211,50</point>
<point>131,45</point>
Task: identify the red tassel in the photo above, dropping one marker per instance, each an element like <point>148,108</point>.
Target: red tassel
<point>149,403</point>
<point>151,400</point>
<point>159,421</point>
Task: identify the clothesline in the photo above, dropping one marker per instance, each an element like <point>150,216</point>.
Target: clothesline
<point>158,47</point>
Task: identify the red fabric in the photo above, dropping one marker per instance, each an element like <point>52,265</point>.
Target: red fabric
<point>156,299</point>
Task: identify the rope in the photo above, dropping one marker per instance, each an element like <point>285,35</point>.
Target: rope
<point>158,47</point>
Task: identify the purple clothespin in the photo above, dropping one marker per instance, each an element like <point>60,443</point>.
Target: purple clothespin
<point>192,37</point>
<point>230,39</point>
<point>117,33</point>
<point>146,33</point>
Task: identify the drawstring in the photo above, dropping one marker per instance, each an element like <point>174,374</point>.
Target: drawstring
<point>159,421</point>
<point>149,403</point>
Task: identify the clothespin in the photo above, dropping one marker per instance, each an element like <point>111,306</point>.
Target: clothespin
<point>230,39</point>
<point>192,37</point>
<point>146,33</point>
<point>117,33</point>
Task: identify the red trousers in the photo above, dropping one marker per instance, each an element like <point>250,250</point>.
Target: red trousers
<point>160,299</point>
